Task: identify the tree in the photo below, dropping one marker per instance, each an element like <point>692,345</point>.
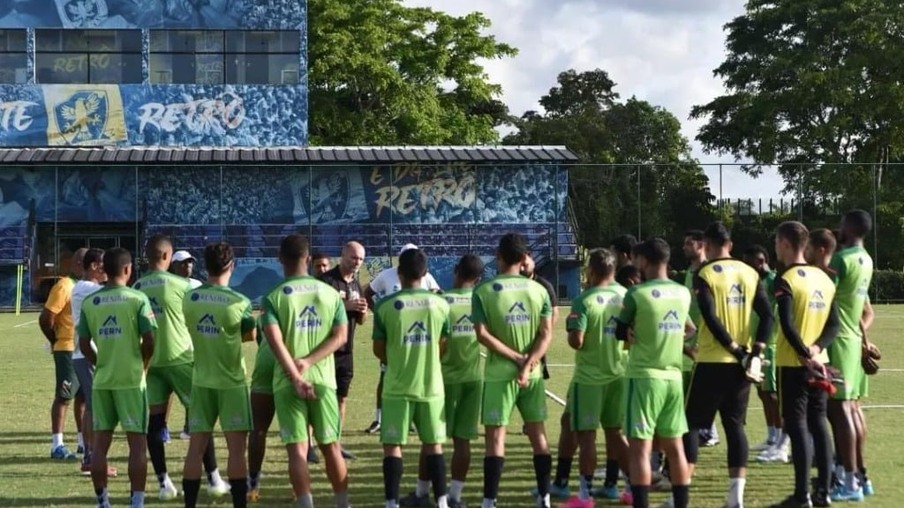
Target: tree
<point>814,86</point>
<point>619,142</point>
<point>382,73</point>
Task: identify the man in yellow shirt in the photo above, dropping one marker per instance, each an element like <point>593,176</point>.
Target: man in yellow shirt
<point>57,326</point>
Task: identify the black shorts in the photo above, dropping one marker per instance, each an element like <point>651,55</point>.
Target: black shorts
<point>798,400</point>
<point>717,387</point>
<point>345,371</point>
<point>66,383</point>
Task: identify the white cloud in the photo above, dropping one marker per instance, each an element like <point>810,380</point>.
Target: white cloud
<point>662,51</point>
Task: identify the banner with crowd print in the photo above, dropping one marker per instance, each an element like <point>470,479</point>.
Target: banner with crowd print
<point>115,14</point>
<point>153,115</point>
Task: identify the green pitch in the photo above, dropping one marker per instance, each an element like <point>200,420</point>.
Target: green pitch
<point>29,478</point>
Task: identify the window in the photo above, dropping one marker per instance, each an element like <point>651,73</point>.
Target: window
<point>13,59</point>
<point>217,57</point>
<point>88,56</point>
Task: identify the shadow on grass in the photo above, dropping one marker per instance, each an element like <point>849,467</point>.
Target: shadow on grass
<point>79,501</point>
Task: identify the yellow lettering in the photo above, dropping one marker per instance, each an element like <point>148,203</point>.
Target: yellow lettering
<point>375,177</point>
<point>405,204</point>
<point>385,196</point>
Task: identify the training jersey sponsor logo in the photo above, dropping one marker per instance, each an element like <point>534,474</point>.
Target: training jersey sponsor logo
<point>611,325</point>
<point>152,282</point>
<point>517,314</point>
<point>308,318</point>
<point>463,325</point>
<point>300,287</point>
<point>207,325</point>
<point>511,284</point>
<point>416,334</point>
<point>210,298</point>
<point>817,301</point>
<point>155,306</point>
<point>110,328</point>
<point>670,322</point>
<point>108,299</point>
<point>420,303</point>
<point>736,295</point>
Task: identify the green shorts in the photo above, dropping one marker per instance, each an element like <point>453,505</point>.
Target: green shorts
<point>463,409</point>
<point>845,355</point>
<point>428,417</point>
<point>127,407</point>
<point>501,397</point>
<point>592,406</point>
<point>231,406</point>
<point>164,381</point>
<point>864,386</point>
<point>769,384</point>
<point>295,413</point>
<point>655,407</point>
<point>262,376</point>
<point>66,386</point>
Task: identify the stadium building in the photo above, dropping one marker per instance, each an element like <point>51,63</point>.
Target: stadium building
<point>124,118</point>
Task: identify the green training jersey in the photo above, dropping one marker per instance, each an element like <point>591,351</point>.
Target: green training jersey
<point>512,308</point>
<point>412,322</point>
<point>853,268</point>
<point>657,310</point>
<point>116,317</point>
<point>687,363</point>
<point>769,282</point>
<point>217,319</point>
<point>461,362</point>
<point>165,291</point>
<point>600,359</point>
<point>306,311</point>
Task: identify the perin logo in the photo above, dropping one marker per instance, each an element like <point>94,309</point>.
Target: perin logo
<point>610,327</point>
<point>817,301</point>
<point>308,318</point>
<point>517,313</point>
<point>671,322</point>
<point>463,325</point>
<point>207,326</point>
<point>110,328</point>
<point>156,307</point>
<point>735,295</point>
<point>416,334</point>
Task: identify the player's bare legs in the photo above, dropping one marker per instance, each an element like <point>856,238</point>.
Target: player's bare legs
<point>262,411</point>
<point>191,473</point>
<point>336,471</point>
<point>299,474</point>
<point>844,433</point>
<point>101,447</point>
<point>237,467</point>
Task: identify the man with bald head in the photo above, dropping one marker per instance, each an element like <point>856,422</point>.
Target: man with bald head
<point>57,326</point>
<point>344,278</point>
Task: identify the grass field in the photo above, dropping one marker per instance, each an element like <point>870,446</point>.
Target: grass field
<point>29,478</point>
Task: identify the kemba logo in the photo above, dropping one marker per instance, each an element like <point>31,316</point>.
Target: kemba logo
<point>308,318</point>
<point>671,322</point>
<point>416,334</point>
<point>517,313</point>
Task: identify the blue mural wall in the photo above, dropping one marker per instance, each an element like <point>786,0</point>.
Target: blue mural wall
<point>114,14</point>
<point>165,115</point>
<point>448,210</point>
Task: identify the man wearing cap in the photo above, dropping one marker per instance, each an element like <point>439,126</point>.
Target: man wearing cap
<point>385,284</point>
<point>183,266</point>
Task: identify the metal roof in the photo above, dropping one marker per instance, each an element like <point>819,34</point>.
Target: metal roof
<point>135,155</point>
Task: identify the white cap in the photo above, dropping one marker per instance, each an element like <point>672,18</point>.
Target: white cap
<point>182,255</point>
<point>408,246</point>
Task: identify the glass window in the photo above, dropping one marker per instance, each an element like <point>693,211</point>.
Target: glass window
<point>13,58</point>
<point>88,56</point>
<point>217,57</point>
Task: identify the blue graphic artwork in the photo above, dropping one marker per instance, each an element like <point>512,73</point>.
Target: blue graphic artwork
<point>117,14</point>
<point>155,115</point>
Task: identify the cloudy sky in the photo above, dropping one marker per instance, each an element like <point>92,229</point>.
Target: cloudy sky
<point>662,51</point>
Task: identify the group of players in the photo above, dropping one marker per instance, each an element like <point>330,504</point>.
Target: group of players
<point>632,339</point>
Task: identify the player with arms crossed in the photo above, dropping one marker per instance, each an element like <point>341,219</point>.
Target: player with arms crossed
<point>595,396</point>
<point>808,319</point>
<point>121,323</point>
<point>171,368</point>
<point>409,331</point>
<point>305,323</point>
<point>219,320</point>
<point>728,294</point>
<point>853,269</point>
<point>657,312</point>
<point>512,317</point>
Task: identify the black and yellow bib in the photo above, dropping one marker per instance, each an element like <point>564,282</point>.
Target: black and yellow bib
<point>812,292</point>
<point>733,285</point>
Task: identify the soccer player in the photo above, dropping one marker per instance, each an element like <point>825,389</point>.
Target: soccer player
<point>821,249</point>
<point>808,318</point>
<point>628,276</point>
<point>183,265</point>
<point>93,276</point>
<point>654,320</point>
<point>512,317</point>
<point>853,271</point>
<point>598,384</point>
<point>383,285</point>
<point>262,412</point>
<point>775,447</point>
<point>320,264</point>
<point>305,323</point>
<point>57,326</point>
<point>410,327</point>
<point>171,368</point>
<point>219,320</point>
<point>344,279</point>
<point>623,246</point>
<point>121,323</point>
<point>729,293</point>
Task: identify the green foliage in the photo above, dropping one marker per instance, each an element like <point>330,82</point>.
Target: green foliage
<point>584,113</point>
<point>887,286</point>
<point>383,73</point>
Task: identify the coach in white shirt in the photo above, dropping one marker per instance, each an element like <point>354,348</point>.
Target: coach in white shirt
<point>91,281</point>
<point>387,283</point>
<point>183,265</point>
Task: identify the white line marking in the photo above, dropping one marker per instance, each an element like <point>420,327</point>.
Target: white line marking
<point>20,325</point>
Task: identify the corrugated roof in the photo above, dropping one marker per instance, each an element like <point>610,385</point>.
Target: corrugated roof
<point>282,154</point>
